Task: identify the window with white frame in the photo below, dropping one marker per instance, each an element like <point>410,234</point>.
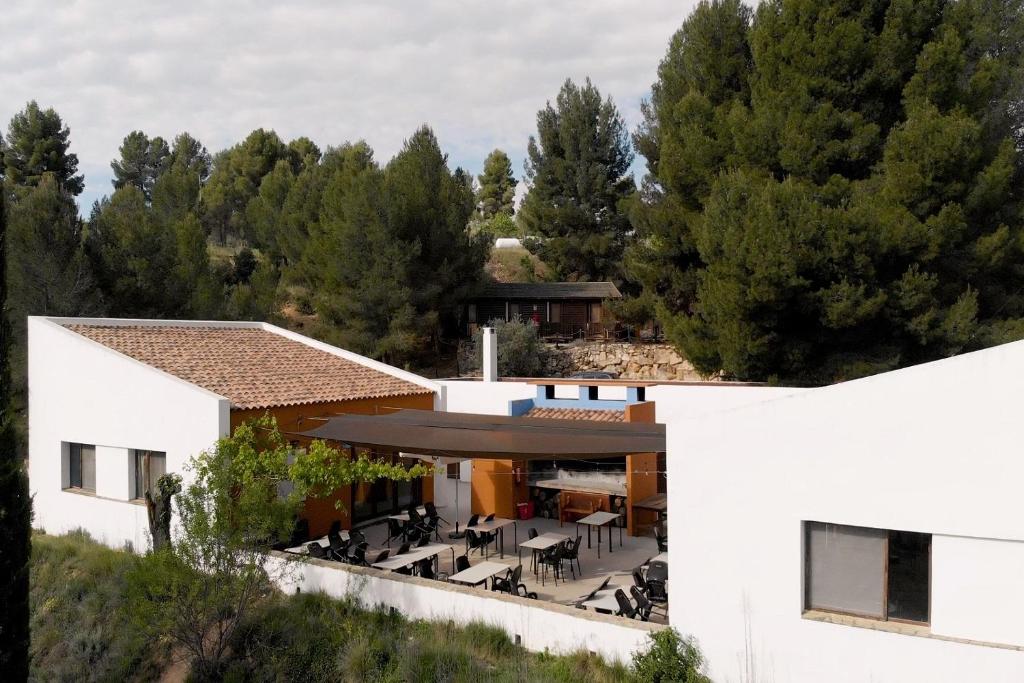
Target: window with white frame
<point>82,467</point>
<point>874,573</point>
<point>149,466</point>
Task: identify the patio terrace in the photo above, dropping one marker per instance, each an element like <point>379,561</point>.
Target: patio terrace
<point>616,567</point>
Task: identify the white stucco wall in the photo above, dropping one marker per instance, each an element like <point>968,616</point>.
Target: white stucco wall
<point>932,449</point>
<point>540,626</point>
<point>83,392</point>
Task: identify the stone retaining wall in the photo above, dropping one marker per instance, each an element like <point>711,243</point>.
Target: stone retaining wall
<point>628,361</point>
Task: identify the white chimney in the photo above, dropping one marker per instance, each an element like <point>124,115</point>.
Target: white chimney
<point>490,362</point>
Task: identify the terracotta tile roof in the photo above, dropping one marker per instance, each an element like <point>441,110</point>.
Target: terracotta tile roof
<point>252,367</point>
<point>577,414</point>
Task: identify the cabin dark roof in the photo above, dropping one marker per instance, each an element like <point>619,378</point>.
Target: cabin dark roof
<point>549,290</point>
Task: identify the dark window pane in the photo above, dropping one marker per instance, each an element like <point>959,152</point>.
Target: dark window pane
<point>909,560</point>
<point>157,468</point>
<point>453,470</point>
<point>76,465</point>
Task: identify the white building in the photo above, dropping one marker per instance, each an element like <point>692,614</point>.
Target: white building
<point>867,531</point>
<point>896,497</point>
<point>104,392</point>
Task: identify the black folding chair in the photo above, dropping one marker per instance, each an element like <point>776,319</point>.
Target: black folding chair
<point>381,556</point>
<point>643,605</point>
<point>395,530</point>
<point>403,549</point>
<point>316,550</point>
<point>339,546</point>
<point>552,557</point>
<point>626,608</point>
<point>662,539</point>
<point>432,512</point>
<point>571,552</point>
<point>510,582</point>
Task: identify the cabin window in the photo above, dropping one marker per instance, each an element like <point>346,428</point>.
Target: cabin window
<point>471,313</point>
<point>82,466</point>
<point>867,572</point>
<point>513,311</point>
<point>157,469</point>
<point>556,313</point>
<point>453,470</point>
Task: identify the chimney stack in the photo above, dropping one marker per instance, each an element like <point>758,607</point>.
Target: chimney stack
<point>490,361</point>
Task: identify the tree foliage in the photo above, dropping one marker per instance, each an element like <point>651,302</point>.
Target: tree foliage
<point>833,187</point>
<point>391,257</point>
<point>197,590</point>
<point>497,191</point>
<point>520,351</point>
<point>577,170</point>
<point>15,503</point>
<point>670,657</point>
<point>142,160</point>
<point>37,144</point>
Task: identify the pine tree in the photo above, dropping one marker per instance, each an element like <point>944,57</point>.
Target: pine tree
<point>48,273</point>
<point>141,163</point>
<point>15,503</point>
<point>427,207</point>
<point>37,144</point>
<point>235,180</point>
<point>497,186</point>
<point>844,205</point>
<point>577,171</point>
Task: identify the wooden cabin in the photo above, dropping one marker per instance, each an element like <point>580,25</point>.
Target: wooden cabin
<point>560,309</point>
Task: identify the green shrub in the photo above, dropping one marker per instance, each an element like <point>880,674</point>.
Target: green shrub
<point>520,351</point>
<point>670,658</point>
<point>81,626</point>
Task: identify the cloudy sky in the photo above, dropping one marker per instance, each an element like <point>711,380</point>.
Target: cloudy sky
<point>475,71</point>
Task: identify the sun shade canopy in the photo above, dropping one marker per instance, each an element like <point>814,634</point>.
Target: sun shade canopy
<point>491,436</point>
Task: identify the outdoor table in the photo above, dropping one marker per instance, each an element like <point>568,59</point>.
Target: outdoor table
<point>542,542</point>
<point>323,541</point>
<point>404,516</point>
<point>600,519</point>
<point>604,599</point>
<point>415,555</point>
<point>478,574</point>
<point>498,524</point>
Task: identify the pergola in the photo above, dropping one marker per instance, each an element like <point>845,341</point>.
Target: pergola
<point>469,435</point>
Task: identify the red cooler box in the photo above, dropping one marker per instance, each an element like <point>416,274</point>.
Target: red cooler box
<point>525,510</point>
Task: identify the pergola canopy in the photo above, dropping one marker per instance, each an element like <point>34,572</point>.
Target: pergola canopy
<point>497,437</point>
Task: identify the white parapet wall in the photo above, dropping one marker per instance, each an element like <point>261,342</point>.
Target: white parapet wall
<point>537,625</point>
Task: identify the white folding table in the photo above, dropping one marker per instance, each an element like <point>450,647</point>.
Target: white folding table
<point>600,519</point>
<point>479,573</point>
<point>323,541</point>
<point>415,555</point>
<point>497,524</point>
<point>542,542</point>
<point>404,516</point>
<point>604,600</point>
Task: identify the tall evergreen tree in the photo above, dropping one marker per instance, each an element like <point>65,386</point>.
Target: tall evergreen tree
<point>848,206</point>
<point>497,190</point>
<point>577,170</point>
<point>48,273</point>
<point>141,162</point>
<point>428,207</point>
<point>15,503</point>
<point>235,180</point>
<point>37,144</point>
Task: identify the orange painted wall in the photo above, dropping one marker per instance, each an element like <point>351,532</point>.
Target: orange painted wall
<point>495,489</point>
<point>292,419</point>
<point>641,474</point>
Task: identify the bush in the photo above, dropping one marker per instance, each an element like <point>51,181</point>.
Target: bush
<point>81,624</point>
<point>520,351</point>
<point>670,658</point>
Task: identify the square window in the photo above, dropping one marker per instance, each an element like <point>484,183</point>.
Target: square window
<point>453,470</point>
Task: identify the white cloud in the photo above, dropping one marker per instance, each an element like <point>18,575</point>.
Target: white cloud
<point>476,71</point>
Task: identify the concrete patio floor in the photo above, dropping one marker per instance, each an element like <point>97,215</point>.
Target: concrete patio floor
<point>618,565</point>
